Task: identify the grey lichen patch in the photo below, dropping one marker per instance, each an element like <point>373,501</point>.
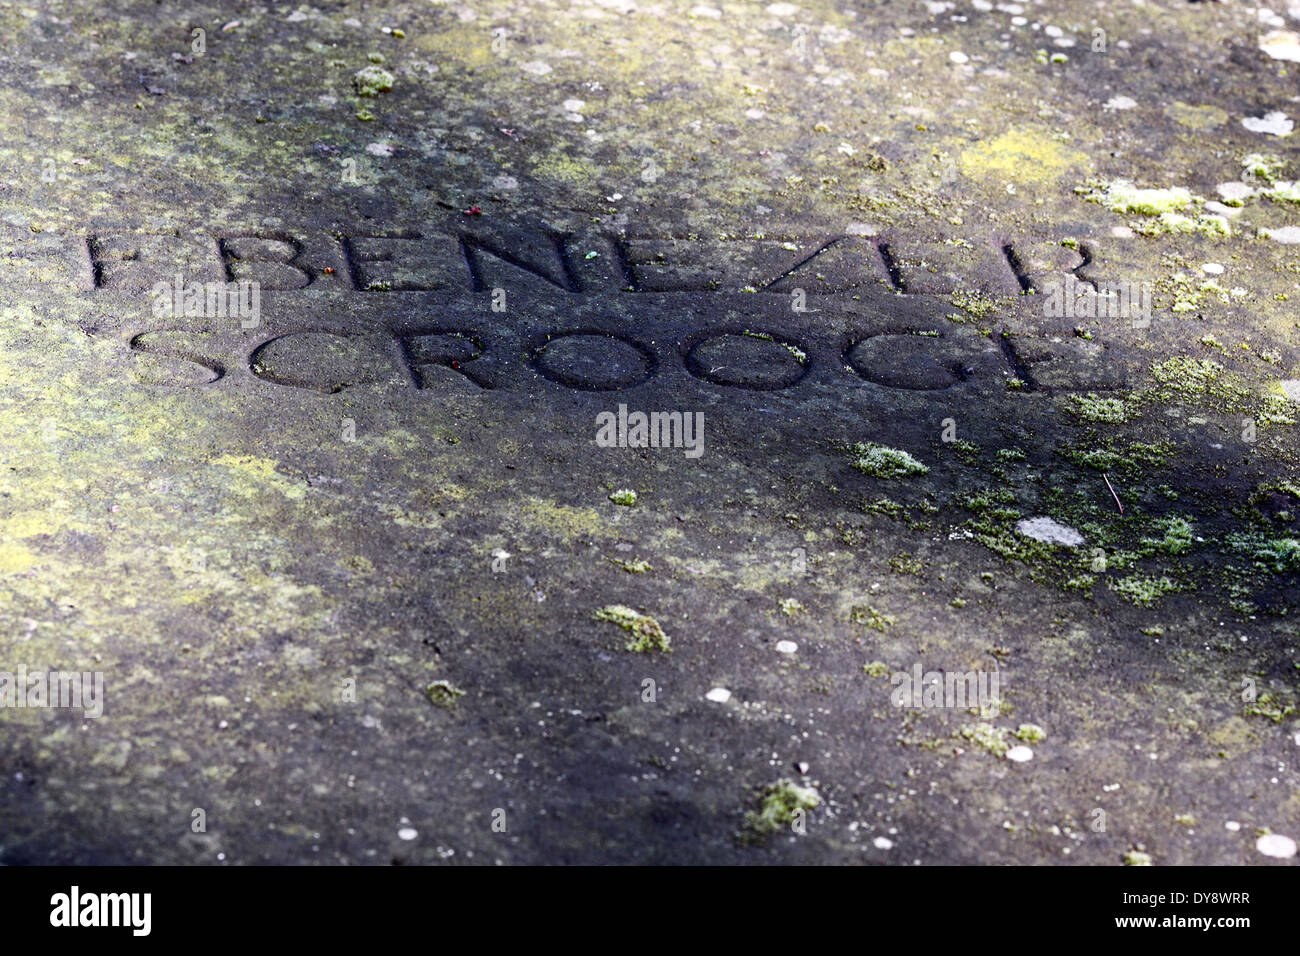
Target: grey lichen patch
<point>646,633</point>
<point>880,461</point>
<point>783,803</point>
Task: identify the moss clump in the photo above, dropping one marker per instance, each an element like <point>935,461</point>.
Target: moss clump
<point>905,563</point>
<point>1177,539</point>
<point>1143,591</point>
<point>646,633</point>
<point>876,669</point>
<point>1270,707</point>
<point>639,566</point>
<point>1175,222</point>
<point>1276,555</point>
<point>1009,455</point>
<point>981,305</point>
<point>993,739</point>
<point>783,802</point>
<point>1122,196</point>
<point>624,496</point>
<point>443,694</point>
<point>969,452</point>
<point>880,461</point>
<point>1094,408</point>
<point>1192,381</point>
<point>791,606</point>
<point>1137,858</point>
<point>1128,460</point>
<point>868,616</point>
<point>885,506</point>
<point>1030,733</point>
<point>371,81</point>
<point>1264,168</point>
<point>1285,192</point>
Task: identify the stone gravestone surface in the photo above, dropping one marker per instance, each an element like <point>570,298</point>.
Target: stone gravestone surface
<point>731,434</point>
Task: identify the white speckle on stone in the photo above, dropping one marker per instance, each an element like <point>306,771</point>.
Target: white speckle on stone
<point>574,106</point>
<point>1020,754</point>
<point>407,833</point>
<point>1281,45</point>
<point>1288,235</point>
<point>1276,845</point>
<point>883,843</point>
<point>1121,103</point>
<point>505,183</point>
<point>719,695</point>
<point>755,113</point>
<point>782,9</point>
<point>1219,209</point>
<point>958,57</point>
<point>1291,388</point>
<point>296,17</point>
<point>1049,531</point>
<point>380,149</point>
<point>1234,191</point>
<point>1053,31</point>
<point>1212,268</point>
<point>1275,123</point>
<point>536,67</point>
<point>713,13</point>
<point>1232,826</point>
<point>786,647</point>
<point>1121,232</point>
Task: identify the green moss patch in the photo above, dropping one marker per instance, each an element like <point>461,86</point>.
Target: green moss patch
<point>782,803</point>
<point>646,633</point>
<point>880,461</point>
